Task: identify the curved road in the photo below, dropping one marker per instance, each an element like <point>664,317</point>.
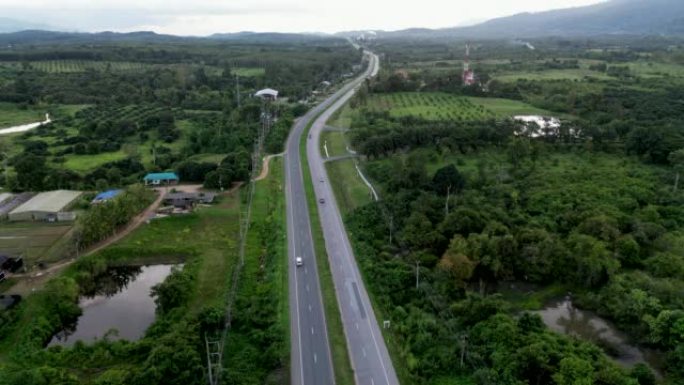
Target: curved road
<point>311,362</point>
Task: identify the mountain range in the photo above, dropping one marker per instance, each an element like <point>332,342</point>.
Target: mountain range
<point>613,17</point>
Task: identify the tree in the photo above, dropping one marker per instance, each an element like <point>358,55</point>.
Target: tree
<point>31,172</point>
<point>676,159</point>
<point>456,263</point>
<point>448,180</point>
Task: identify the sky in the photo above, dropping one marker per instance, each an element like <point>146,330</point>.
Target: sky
<point>204,17</point>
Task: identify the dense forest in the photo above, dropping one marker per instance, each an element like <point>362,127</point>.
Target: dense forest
<point>469,208</point>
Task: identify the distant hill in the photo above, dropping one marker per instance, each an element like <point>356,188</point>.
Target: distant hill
<point>14,25</point>
<point>51,37</point>
<point>614,17</point>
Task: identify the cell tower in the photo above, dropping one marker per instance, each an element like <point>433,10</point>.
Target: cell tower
<point>468,74</point>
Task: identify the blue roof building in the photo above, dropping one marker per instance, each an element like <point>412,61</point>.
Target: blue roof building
<point>106,195</point>
<point>158,178</point>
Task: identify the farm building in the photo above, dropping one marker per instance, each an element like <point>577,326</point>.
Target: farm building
<point>267,93</point>
<point>5,197</point>
<point>186,200</point>
<point>47,206</point>
<point>161,178</point>
<point>11,264</point>
<point>106,196</point>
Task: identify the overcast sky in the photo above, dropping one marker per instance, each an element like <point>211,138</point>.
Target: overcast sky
<point>204,17</point>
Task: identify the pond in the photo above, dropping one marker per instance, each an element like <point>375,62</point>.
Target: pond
<point>120,300</point>
<point>561,316</point>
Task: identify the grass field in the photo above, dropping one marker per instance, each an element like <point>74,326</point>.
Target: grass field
<point>78,66</point>
<point>211,231</point>
<point>428,105</point>
<point>335,142</point>
<point>508,107</point>
<point>12,115</point>
<point>439,106</point>
<point>36,241</point>
<point>85,163</point>
<point>350,191</point>
<point>555,74</point>
<point>248,72</point>
<point>210,158</point>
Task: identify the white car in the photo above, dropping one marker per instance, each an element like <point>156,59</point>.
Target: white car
<point>298,261</point>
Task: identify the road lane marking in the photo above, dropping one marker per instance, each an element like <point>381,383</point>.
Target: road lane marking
<point>357,325</point>
<point>307,287</point>
<point>294,250</point>
<point>309,308</point>
<point>363,350</point>
<point>315,358</point>
<point>312,330</point>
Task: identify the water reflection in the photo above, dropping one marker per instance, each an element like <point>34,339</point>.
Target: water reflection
<point>119,300</point>
<point>563,317</point>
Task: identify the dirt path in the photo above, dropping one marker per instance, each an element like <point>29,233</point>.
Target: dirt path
<point>31,281</point>
<point>264,167</point>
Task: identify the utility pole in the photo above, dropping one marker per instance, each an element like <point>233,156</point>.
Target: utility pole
<point>417,274</point>
<point>447,200</point>
<point>463,341</point>
<point>237,89</point>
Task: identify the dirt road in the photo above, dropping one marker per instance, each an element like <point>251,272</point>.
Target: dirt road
<point>264,167</point>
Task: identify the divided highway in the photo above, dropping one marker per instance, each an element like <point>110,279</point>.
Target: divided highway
<point>311,362</point>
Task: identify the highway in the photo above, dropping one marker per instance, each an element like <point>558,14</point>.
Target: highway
<point>311,362</point>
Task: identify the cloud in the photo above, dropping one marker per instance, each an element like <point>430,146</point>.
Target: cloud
<point>202,17</point>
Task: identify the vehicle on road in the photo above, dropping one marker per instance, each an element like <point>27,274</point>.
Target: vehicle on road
<point>299,261</point>
<point>321,201</point>
<point>322,180</point>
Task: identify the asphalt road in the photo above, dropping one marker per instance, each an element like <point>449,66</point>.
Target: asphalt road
<point>370,359</point>
<point>311,362</point>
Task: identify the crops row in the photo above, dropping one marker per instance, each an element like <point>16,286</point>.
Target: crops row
<point>433,106</point>
<point>133,113</point>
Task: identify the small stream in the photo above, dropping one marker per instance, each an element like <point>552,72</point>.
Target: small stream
<point>119,300</point>
<point>561,316</point>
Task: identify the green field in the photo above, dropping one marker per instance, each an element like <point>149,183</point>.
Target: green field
<point>335,143</point>
<point>248,72</point>
<point>209,158</point>
<point>655,69</point>
<point>350,191</point>
<point>36,241</point>
<point>428,105</point>
<point>508,107</point>
<point>85,163</point>
<point>439,106</point>
<point>554,74</point>
<point>80,66</point>
<point>12,115</point>
<point>211,232</point>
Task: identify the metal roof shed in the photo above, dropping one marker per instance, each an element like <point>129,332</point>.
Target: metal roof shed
<point>267,93</point>
<point>44,206</point>
<point>106,195</point>
<point>158,178</point>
